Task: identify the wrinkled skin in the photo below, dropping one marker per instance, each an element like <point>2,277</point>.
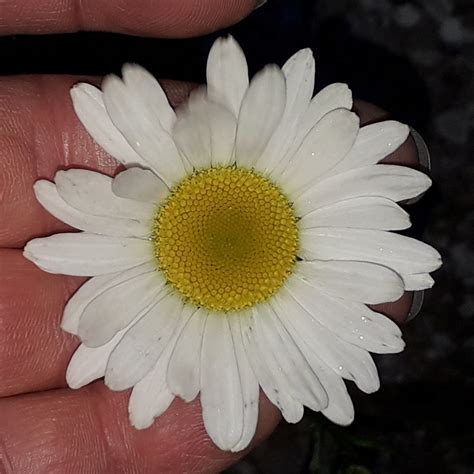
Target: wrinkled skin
<point>44,426</point>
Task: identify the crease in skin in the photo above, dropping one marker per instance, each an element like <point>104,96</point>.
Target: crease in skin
<point>6,465</point>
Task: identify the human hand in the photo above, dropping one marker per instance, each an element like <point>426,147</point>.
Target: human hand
<point>48,428</point>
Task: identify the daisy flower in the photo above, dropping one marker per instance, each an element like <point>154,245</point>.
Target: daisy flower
<point>240,247</point>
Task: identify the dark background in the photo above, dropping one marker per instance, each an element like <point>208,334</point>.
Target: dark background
<point>416,60</point>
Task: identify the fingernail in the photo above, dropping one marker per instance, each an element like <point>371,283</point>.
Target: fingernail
<point>416,305</point>
<point>259,3</point>
<point>423,152</point>
<point>424,159</point>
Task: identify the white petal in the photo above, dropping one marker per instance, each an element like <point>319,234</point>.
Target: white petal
<point>87,254</point>
<point>249,385</point>
<point>374,142</point>
<point>403,254</point>
<point>193,136</point>
<point>303,383</point>
<point>332,97</point>
<point>325,145</point>
<point>260,114</point>
<point>136,117</point>
<point>273,383</point>
<point>184,367</point>
<point>89,106</point>
<point>49,198</point>
<point>88,364</point>
<point>345,359</point>
<point>91,193</point>
<point>151,396</point>
<point>140,185</point>
<point>299,75</point>
<point>417,281</point>
<point>221,393</point>
<point>340,316</point>
<point>378,318</point>
<point>143,344</point>
<point>356,281</point>
<point>205,133</point>
<point>227,74</point>
<point>364,212</point>
<point>393,182</point>
<point>81,298</point>
<point>340,408</point>
<point>143,83</point>
<point>93,288</point>
<point>115,307</point>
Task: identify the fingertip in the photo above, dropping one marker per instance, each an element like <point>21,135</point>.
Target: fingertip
<point>406,154</point>
<point>396,310</point>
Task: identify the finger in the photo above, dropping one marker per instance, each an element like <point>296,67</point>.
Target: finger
<point>65,431</point>
<point>39,134</point>
<point>166,18</point>
<point>34,350</point>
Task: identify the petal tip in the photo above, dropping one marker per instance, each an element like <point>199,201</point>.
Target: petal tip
<point>394,345</point>
<point>61,175</point>
<point>227,40</point>
<point>40,185</point>
<point>73,384</point>
<point>404,129</point>
<point>134,72</point>
<point>29,250</point>
<point>113,383</point>
<point>68,326</point>
<point>130,67</point>
<point>226,45</point>
<point>139,423</point>
<point>347,419</point>
<point>111,81</point>
<point>78,89</point>
<point>306,54</point>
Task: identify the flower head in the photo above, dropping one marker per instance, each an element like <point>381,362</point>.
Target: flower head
<point>240,247</point>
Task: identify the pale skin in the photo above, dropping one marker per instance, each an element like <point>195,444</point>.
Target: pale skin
<point>44,426</point>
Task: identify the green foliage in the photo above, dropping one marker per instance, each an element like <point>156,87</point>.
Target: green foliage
<point>339,450</point>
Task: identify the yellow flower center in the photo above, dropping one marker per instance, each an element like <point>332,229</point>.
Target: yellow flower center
<point>226,238</point>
